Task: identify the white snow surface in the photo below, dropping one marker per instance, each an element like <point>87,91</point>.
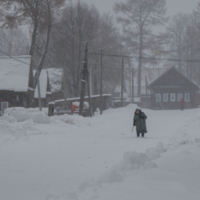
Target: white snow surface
<point>75,158</point>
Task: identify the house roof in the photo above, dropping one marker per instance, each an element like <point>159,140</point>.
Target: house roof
<point>173,78</point>
<point>14,73</point>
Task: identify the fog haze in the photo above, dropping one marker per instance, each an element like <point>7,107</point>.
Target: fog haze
<point>173,6</point>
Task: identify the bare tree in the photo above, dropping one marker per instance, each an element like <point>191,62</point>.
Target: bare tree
<point>110,41</point>
<point>14,42</point>
<point>80,23</point>
<point>37,14</point>
<point>184,40</point>
<point>176,35</point>
<point>77,24</point>
<point>138,17</point>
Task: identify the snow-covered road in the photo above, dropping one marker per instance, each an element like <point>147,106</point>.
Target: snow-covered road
<point>75,158</point>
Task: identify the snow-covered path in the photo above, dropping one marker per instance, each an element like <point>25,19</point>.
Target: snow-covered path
<point>80,159</point>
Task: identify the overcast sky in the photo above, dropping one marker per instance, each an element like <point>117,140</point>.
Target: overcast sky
<point>173,6</point>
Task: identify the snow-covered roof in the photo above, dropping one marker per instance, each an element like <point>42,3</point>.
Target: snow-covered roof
<point>14,73</point>
<point>55,78</point>
<point>78,98</point>
<point>43,85</point>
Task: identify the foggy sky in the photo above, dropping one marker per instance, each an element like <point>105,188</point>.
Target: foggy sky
<point>173,6</point>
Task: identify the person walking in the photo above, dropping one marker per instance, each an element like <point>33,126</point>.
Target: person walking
<point>139,120</point>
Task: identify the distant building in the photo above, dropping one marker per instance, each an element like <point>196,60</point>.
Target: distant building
<point>168,90</point>
<point>16,81</point>
<point>148,75</point>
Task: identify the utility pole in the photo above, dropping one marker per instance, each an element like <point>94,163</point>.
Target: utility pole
<point>146,90</point>
<point>122,84</point>
<point>88,87</point>
<point>132,85</point>
<point>91,81</point>
<point>39,94</point>
<point>146,85</point>
<point>101,76</point>
<point>64,82</point>
<point>84,78</point>
<point>129,80</point>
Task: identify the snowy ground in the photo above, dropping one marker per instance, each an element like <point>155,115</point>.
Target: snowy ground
<point>99,158</point>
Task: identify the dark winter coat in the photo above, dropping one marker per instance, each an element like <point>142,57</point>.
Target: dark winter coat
<point>139,121</point>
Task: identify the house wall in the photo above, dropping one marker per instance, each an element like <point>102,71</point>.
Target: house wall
<point>15,99</point>
<point>197,99</point>
<point>170,99</point>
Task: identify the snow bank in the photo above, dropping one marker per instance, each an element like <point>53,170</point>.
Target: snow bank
<point>111,176</point>
<point>19,114</point>
<point>22,114</point>
<point>197,140</point>
<point>70,196</point>
<point>10,129</point>
<point>13,131</point>
<point>20,124</point>
<point>72,120</point>
<point>132,161</point>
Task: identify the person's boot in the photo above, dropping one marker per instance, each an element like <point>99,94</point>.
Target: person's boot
<point>138,135</point>
<point>142,134</point>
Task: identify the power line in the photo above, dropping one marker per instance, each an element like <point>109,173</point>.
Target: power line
<point>14,57</point>
<point>145,58</point>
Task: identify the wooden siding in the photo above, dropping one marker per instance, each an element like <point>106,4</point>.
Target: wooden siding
<point>15,99</point>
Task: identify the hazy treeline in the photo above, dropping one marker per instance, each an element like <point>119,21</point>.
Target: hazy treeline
<point>59,29</point>
<point>184,43</point>
<point>79,23</point>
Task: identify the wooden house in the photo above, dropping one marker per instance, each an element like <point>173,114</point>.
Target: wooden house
<point>168,90</point>
<point>16,81</point>
<point>148,75</point>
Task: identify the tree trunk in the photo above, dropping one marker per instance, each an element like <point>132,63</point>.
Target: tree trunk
<point>40,66</point>
<point>140,62</point>
<point>84,78</point>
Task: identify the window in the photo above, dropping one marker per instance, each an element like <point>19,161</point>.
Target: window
<point>173,97</point>
<point>158,97</point>
<point>187,97</point>
<point>179,96</point>
<point>165,97</point>
<point>17,97</point>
